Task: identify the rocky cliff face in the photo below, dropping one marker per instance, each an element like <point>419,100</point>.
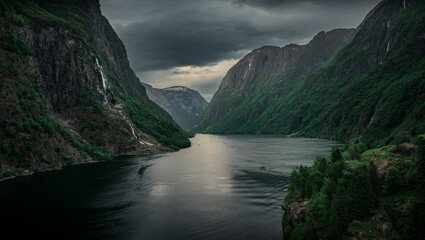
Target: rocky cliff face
<point>269,62</point>
<point>371,89</point>
<point>269,70</point>
<point>183,104</point>
<point>68,92</point>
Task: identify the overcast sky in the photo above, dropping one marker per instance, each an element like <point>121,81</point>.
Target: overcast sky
<point>194,42</point>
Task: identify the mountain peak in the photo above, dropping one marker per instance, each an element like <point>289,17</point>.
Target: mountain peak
<point>272,61</point>
<point>178,88</point>
<point>185,105</point>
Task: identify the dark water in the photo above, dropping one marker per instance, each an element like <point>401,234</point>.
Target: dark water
<point>223,187</point>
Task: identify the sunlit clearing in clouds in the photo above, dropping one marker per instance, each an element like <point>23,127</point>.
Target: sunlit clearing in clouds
<point>204,79</point>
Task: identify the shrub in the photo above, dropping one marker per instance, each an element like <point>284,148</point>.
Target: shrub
<point>393,180</point>
<point>18,19</point>
<point>6,173</point>
<point>11,43</point>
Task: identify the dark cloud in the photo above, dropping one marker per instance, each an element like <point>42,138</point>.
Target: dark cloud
<point>260,3</point>
<point>179,72</point>
<point>194,43</point>
<point>182,41</point>
<point>161,34</point>
<point>267,4</point>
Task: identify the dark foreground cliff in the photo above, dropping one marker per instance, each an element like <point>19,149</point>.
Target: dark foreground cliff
<point>183,104</point>
<point>68,94</point>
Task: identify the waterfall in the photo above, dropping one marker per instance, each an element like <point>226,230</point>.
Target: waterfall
<point>104,86</point>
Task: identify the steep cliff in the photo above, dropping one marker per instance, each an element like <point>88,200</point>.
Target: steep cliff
<point>68,93</point>
<point>183,104</point>
<point>371,89</point>
<point>257,81</point>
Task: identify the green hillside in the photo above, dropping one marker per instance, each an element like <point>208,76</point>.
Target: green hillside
<point>372,89</point>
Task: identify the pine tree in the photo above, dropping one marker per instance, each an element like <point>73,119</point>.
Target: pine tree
<point>374,180</point>
<point>393,180</point>
<point>336,155</point>
<point>337,216</point>
<point>328,188</point>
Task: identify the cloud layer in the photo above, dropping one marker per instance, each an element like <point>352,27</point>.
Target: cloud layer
<point>161,35</point>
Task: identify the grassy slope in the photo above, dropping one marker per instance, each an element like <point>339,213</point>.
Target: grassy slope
<point>339,99</point>
<point>31,139</point>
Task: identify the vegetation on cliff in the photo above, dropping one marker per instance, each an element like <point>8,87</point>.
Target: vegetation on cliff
<point>370,93</point>
<point>62,88</point>
<point>372,89</point>
<point>27,128</point>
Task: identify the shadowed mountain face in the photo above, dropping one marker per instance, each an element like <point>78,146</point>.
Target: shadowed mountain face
<point>183,104</point>
<point>370,88</point>
<point>68,93</point>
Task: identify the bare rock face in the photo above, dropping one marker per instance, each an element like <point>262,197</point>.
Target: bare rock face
<point>294,214</point>
<point>381,168</point>
<point>113,50</point>
<point>183,104</point>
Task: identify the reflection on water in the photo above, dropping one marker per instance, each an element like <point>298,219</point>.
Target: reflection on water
<point>224,187</point>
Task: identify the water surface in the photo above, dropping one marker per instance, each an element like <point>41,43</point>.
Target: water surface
<point>223,187</point>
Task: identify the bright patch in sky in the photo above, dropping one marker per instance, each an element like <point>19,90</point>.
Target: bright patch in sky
<point>205,79</point>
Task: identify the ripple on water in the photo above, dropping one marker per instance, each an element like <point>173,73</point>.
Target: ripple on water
<point>225,187</point>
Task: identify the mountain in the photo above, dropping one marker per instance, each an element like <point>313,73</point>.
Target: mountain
<point>183,104</point>
<point>261,78</point>
<point>68,94</point>
<point>371,90</point>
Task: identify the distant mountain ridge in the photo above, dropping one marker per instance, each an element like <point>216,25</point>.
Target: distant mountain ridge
<point>185,105</point>
<point>371,89</point>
